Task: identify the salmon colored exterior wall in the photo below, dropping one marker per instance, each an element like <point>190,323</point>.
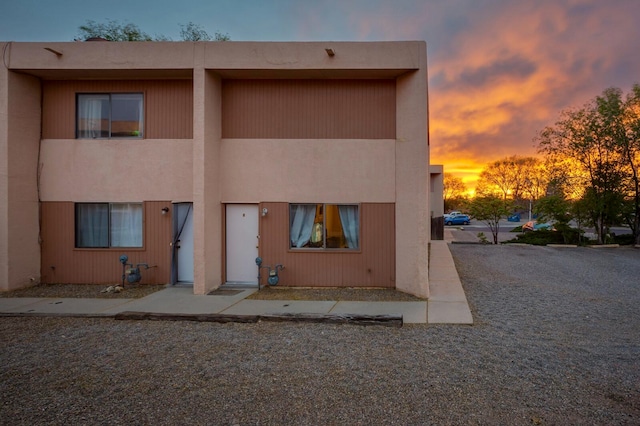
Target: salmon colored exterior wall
<point>322,171</point>
<point>63,263</point>
<point>373,265</point>
<point>104,170</point>
<point>19,137</point>
<point>205,167</point>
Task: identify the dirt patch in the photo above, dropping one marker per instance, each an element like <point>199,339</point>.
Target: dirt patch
<point>337,294</point>
<point>84,291</point>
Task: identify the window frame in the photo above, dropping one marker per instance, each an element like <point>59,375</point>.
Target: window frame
<point>110,95</point>
<point>109,236</point>
<point>324,248</point>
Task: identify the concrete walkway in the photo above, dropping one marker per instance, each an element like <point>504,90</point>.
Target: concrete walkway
<point>447,302</point>
<point>446,305</point>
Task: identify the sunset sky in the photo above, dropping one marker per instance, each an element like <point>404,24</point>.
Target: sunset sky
<point>499,70</point>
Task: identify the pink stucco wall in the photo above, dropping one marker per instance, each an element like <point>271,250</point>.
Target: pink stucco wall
<point>4,175</point>
<point>19,139</point>
<point>316,171</point>
<point>116,170</point>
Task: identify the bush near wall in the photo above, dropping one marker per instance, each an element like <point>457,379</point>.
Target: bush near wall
<point>571,236</point>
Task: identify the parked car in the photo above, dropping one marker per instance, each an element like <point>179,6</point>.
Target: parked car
<point>532,225</point>
<point>451,214</point>
<point>514,217</point>
<point>458,219</point>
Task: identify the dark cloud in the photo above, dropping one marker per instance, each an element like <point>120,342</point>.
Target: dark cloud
<point>512,68</point>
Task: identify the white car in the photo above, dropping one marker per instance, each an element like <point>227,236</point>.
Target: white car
<point>451,214</point>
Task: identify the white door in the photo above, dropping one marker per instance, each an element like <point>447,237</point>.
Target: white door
<point>183,241</point>
<point>242,243</point>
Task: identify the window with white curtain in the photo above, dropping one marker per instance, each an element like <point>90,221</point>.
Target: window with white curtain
<point>324,226</point>
<point>104,225</point>
<point>109,115</point>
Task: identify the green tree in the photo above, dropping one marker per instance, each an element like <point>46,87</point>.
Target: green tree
<point>556,209</point>
<point>593,151</point>
<point>490,209</point>
<point>112,31</point>
<point>629,147</point>
<point>517,178</point>
<point>195,32</point>
<point>497,178</point>
<point>115,31</point>
<point>454,193</point>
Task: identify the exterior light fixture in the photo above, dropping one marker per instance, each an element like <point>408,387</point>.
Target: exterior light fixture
<point>264,211</point>
<point>165,210</point>
<point>330,52</point>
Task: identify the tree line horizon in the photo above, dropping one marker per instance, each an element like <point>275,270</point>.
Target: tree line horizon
<point>113,30</point>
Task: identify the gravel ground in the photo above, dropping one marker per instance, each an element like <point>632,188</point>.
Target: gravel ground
<point>94,291</point>
<point>555,341</point>
<point>339,294</point>
<point>83,291</point>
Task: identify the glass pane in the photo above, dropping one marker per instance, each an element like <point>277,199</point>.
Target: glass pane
<point>92,225</point>
<point>93,116</point>
<point>335,236</point>
<point>317,230</point>
<point>126,115</point>
<point>126,225</point>
<point>305,225</point>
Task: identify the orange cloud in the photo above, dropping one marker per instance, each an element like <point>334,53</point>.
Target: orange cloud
<point>513,69</point>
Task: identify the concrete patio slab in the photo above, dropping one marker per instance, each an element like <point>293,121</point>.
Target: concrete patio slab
<point>19,304</point>
<point>261,307</point>
<point>181,300</point>
<point>66,306</point>
<point>449,313</point>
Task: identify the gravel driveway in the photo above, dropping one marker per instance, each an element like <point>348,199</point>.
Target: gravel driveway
<point>555,341</point>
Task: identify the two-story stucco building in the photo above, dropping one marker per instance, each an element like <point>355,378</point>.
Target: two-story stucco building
<point>195,158</point>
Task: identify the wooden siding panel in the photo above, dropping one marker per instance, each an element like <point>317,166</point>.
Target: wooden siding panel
<point>372,266</point>
<point>63,263</point>
<point>309,109</point>
<point>168,106</point>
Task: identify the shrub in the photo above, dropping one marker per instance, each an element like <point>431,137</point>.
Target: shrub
<point>540,238</point>
<point>624,239</point>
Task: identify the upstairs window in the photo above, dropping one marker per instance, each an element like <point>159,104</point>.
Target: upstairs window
<point>109,115</point>
<point>324,226</point>
<point>105,225</point>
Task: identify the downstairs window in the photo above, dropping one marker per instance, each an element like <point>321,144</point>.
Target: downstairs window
<point>324,226</point>
<point>105,225</point>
